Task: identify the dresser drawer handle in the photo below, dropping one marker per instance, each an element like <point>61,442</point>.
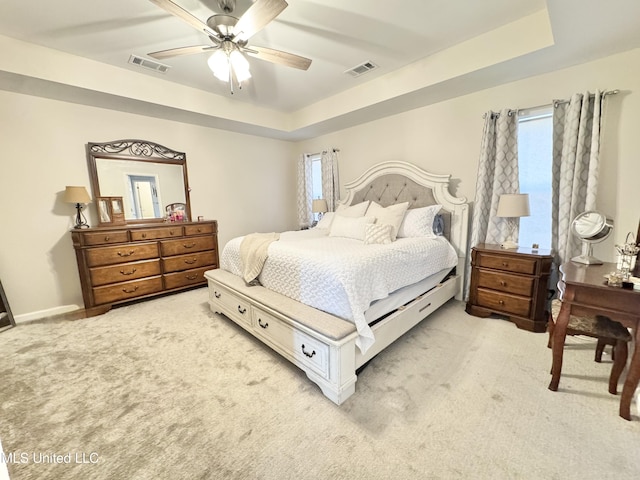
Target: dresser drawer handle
<point>242,310</point>
<point>307,353</point>
<point>216,294</point>
<point>190,245</point>
<point>106,238</point>
<point>505,264</point>
<point>190,262</point>
<point>170,232</point>
<point>263,325</point>
<point>131,252</point>
<point>133,270</point>
<point>191,277</point>
<point>503,283</point>
<point>144,235</point>
<point>130,291</point>
<point>501,302</point>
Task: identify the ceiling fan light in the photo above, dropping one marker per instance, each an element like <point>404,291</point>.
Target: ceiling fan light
<point>242,75</point>
<point>238,61</point>
<point>219,65</point>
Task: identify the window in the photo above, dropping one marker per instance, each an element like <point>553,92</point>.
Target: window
<point>535,132</point>
<point>316,175</point>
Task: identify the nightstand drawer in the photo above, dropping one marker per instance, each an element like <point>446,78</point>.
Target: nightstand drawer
<point>505,282</point>
<point>504,302</point>
<point>509,264</point>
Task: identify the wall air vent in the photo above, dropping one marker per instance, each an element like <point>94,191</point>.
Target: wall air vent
<point>361,69</point>
<point>150,64</point>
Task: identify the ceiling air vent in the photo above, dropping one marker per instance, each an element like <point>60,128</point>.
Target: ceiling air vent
<point>150,64</point>
<point>361,69</point>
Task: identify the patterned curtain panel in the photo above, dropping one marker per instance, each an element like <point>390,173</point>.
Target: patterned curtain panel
<point>304,191</point>
<point>330,179</point>
<point>576,146</point>
<point>497,174</point>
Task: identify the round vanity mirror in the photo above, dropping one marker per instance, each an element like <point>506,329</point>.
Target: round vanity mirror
<point>590,227</point>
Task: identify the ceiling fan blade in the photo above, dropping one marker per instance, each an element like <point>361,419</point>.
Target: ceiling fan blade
<point>256,17</point>
<point>276,56</point>
<point>182,14</point>
<point>174,52</point>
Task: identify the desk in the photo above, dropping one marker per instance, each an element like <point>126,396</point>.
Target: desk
<point>584,292</point>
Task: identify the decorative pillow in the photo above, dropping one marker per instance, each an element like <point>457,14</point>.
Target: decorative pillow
<point>356,210</point>
<point>418,222</point>
<point>349,227</point>
<point>326,220</point>
<point>377,234</point>
<point>391,215</point>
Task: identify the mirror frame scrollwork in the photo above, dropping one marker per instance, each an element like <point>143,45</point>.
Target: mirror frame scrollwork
<point>138,151</point>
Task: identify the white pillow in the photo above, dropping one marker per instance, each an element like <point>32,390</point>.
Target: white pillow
<point>391,215</point>
<point>354,210</point>
<point>418,222</point>
<point>377,234</point>
<point>350,227</point>
<point>325,221</point>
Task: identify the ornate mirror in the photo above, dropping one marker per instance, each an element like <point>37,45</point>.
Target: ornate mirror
<point>149,177</point>
<point>590,227</point>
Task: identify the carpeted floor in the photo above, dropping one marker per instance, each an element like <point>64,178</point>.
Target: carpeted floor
<point>165,389</point>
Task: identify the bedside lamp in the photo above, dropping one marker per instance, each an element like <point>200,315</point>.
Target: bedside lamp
<point>512,206</point>
<point>79,196</point>
<point>320,207</point>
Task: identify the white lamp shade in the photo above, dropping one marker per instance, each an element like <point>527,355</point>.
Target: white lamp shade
<point>76,195</point>
<point>513,205</point>
<point>219,65</point>
<point>319,206</point>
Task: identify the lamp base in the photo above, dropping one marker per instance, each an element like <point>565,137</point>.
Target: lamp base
<point>509,245</point>
<point>81,221</point>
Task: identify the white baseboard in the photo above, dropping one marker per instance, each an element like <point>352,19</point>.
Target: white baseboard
<point>27,317</point>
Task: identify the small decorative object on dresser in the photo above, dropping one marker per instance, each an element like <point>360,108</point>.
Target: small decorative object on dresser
<point>512,283</point>
<point>110,211</point>
<point>130,262</point>
<point>79,196</point>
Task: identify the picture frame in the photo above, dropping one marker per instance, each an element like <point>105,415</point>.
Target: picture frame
<point>110,211</point>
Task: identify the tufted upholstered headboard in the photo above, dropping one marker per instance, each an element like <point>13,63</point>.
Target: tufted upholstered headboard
<point>389,183</point>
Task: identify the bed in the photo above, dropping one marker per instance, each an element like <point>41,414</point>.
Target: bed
<point>330,316</point>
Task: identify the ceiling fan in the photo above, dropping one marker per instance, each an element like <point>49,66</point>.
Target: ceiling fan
<point>230,36</point>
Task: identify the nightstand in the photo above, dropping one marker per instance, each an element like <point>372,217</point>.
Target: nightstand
<point>512,283</point>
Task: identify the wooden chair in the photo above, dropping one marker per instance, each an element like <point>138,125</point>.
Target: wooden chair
<point>605,330</point>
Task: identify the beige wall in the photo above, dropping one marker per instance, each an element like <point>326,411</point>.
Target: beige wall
<point>445,138</point>
<point>247,183</point>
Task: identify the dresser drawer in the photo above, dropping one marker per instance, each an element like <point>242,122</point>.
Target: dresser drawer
<point>121,253</point>
<point>205,228</point>
<point>183,279</point>
<point>185,262</point>
<point>229,304</point>
<point>509,264</point>
<point>127,290</point>
<point>186,245</point>
<point>504,302</point>
<point>505,282</point>
<point>312,352</point>
<point>124,272</point>
<point>156,233</point>
<point>105,238</point>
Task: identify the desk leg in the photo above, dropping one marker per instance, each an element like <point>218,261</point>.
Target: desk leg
<point>633,375</point>
<point>559,336</point>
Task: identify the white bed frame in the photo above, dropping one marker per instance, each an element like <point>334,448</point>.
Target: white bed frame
<point>323,345</point>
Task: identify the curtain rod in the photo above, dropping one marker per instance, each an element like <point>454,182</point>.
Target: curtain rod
<point>555,104</point>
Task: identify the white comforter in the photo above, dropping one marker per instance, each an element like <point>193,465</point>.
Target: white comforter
<point>343,276</point>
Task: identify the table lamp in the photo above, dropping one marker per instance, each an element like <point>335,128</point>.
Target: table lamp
<point>512,206</point>
<point>319,206</point>
<point>79,196</point>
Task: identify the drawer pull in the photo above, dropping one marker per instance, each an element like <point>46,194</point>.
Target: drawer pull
<point>128,254</point>
<point>170,232</point>
<point>263,325</point>
<point>144,235</point>
<point>313,352</point>
<point>501,302</point>
<point>190,262</point>
<point>242,310</point>
<point>133,270</point>
<point>190,245</point>
<point>505,264</point>
<point>130,291</point>
<point>191,277</point>
<point>425,307</point>
<point>503,283</point>
<point>199,230</point>
<point>106,238</point>
<point>216,294</point>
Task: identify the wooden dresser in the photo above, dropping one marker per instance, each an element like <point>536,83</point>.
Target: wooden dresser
<point>510,282</point>
<point>118,264</point>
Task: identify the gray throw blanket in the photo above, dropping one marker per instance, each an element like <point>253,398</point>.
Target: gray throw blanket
<point>254,252</point>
